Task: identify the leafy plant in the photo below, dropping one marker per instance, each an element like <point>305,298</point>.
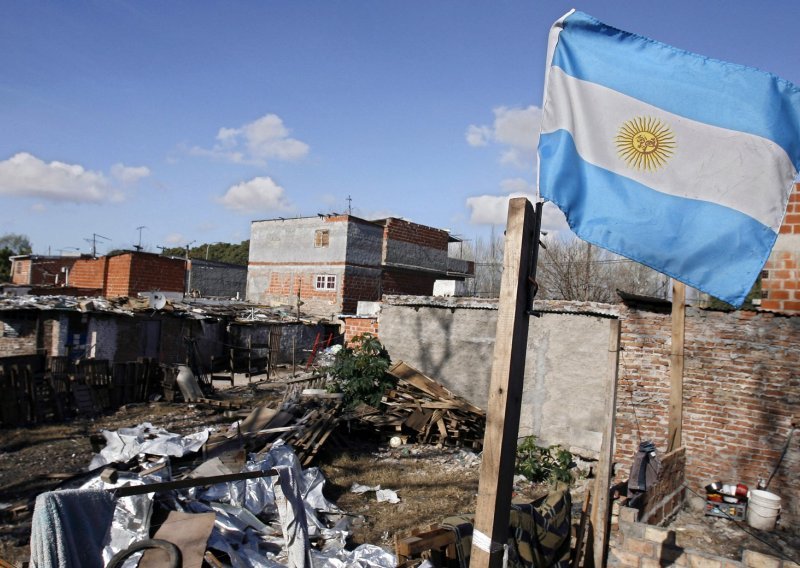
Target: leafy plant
<point>359,370</point>
<point>539,463</point>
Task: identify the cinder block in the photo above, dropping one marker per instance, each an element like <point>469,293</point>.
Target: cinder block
<point>754,559</point>
<point>639,546</point>
<point>628,515</point>
<point>657,535</point>
<point>698,561</point>
<point>623,558</point>
<point>634,530</point>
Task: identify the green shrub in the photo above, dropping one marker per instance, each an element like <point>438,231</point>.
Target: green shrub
<point>539,464</point>
<point>359,371</point>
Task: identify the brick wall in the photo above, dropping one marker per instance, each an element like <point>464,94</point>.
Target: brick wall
<point>360,284</point>
<point>411,283</point>
<point>153,272</point>
<point>128,274</point>
<point>356,325</point>
<point>666,497</point>
<point>88,273</point>
<point>406,231</point>
<point>741,395</point>
<point>17,334</point>
<point>21,271</point>
<point>780,283</point>
<point>640,545</point>
<point>283,287</point>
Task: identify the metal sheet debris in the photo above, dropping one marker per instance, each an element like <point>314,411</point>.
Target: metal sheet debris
<point>264,522</point>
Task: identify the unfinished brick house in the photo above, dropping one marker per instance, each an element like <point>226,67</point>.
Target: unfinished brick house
<point>335,261</point>
<point>41,270</point>
<point>121,274</point>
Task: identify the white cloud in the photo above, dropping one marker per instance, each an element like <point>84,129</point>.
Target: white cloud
<point>129,174</point>
<point>26,175</point>
<point>493,209</point>
<point>515,130</point>
<point>257,194</point>
<point>175,239</point>
<point>478,135</point>
<point>38,208</point>
<point>256,142</point>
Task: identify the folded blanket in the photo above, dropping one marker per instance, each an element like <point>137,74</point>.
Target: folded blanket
<point>69,527</point>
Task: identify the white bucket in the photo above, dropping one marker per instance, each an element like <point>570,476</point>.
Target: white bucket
<point>762,509</point>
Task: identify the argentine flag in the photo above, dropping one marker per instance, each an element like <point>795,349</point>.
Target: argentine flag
<point>675,160</point>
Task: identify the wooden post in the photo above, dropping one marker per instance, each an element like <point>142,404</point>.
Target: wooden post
<point>602,487</point>
<point>676,366</point>
<point>505,391</point>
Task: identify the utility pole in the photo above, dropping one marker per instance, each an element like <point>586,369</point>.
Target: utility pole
<point>139,246</point>
<point>349,205</point>
<point>93,240</point>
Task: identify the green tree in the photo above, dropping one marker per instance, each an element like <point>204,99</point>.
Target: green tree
<point>11,244</point>
<point>359,371</point>
<point>220,252</point>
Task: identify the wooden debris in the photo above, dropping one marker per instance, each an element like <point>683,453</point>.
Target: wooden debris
<point>420,406</point>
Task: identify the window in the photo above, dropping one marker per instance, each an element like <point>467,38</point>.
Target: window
<point>325,282</point>
<point>321,238</point>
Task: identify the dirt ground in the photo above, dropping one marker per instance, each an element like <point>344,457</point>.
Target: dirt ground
<point>431,482</point>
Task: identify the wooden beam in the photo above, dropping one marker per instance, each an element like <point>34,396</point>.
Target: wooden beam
<point>601,501</point>
<point>676,366</point>
<point>505,391</point>
<point>129,490</point>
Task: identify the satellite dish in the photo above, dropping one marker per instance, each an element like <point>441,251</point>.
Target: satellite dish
<point>159,301</point>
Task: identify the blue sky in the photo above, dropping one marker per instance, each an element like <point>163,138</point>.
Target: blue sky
<point>195,118</point>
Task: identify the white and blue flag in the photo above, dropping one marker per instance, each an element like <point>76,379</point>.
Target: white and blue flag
<point>675,160</point>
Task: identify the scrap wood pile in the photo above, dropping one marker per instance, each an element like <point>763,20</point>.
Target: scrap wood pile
<point>420,409</point>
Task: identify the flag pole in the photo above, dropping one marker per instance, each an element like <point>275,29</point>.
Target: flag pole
<point>505,392</point>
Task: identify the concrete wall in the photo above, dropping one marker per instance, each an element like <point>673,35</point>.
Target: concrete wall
<point>102,337</point>
<point>452,341</point>
<point>214,279</point>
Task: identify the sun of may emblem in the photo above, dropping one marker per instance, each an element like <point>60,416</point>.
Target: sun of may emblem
<point>645,143</point>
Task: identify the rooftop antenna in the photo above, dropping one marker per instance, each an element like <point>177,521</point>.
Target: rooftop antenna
<point>349,205</point>
<point>93,240</point>
<point>188,245</point>
<point>139,246</point>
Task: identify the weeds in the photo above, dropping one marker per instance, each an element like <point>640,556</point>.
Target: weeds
<point>540,464</point>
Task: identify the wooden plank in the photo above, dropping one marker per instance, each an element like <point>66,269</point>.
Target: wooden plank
<point>505,391</point>
<point>577,552</point>
<point>187,483</point>
<point>601,506</point>
<point>676,366</point>
<point>429,540</point>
